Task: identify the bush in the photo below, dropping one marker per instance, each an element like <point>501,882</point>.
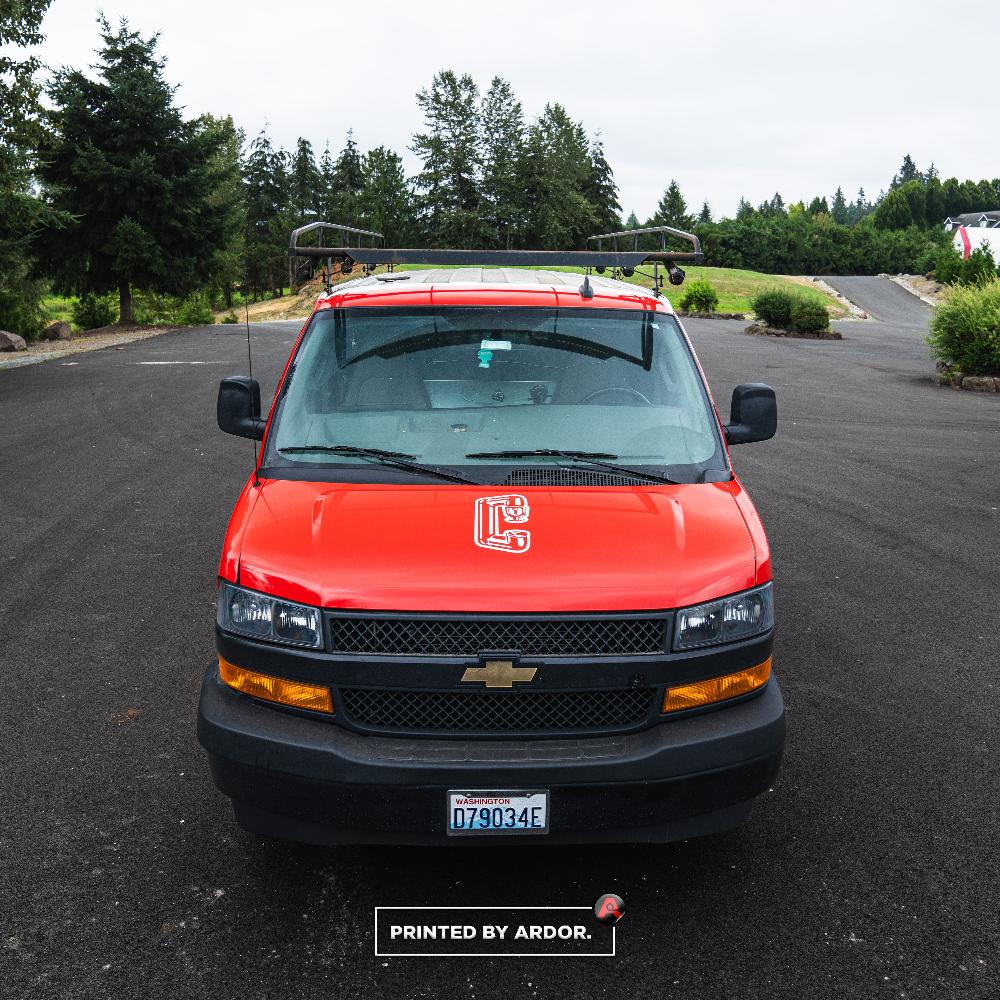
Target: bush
<point>91,311</point>
<point>195,310</point>
<point>230,317</point>
<point>700,297</point>
<point>948,267</point>
<point>20,311</point>
<point>774,307</point>
<point>978,267</point>
<point>809,316</point>
<point>965,329</point>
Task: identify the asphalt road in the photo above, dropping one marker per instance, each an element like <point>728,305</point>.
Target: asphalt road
<point>870,871</point>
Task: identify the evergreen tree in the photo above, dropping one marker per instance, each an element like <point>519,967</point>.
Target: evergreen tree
<point>326,204</point>
<point>22,213</point>
<point>893,211</point>
<point>745,210</point>
<point>385,201</point>
<point>632,222</point>
<point>266,183</point>
<point>907,172</point>
<point>672,209</point>
<point>305,183</point>
<point>348,180</point>
<point>705,215</point>
<point>838,208</point>
<point>132,172</point>
<point>502,145</point>
<point>819,206</point>
<point>558,170</point>
<point>449,183</point>
<point>860,207</point>
<point>601,191</point>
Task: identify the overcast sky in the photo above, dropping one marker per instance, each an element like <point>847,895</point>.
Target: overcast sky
<point>731,98</point>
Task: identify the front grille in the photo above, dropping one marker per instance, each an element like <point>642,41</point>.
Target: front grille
<point>543,476</point>
<point>392,636</point>
<point>497,712</point>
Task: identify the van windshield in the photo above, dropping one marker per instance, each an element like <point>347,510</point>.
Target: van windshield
<point>442,385</point>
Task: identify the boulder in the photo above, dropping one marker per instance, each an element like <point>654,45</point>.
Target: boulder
<point>57,331</point>
<point>11,342</point>
<point>979,383</point>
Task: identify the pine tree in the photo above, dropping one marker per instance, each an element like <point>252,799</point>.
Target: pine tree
<point>907,172</point>
<point>672,209</point>
<point>266,206</point>
<point>326,205</point>
<point>705,215</point>
<point>632,222</point>
<point>893,211</point>
<point>22,213</point>
<point>601,191</point>
<point>557,170</point>
<point>385,201</point>
<point>132,172</point>
<point>305,183</point>
<point>819,206</point>
<point>860,207</point>
<point>449,183</point>
<point>348,180</point>
<point>745,210</point>
<point>838,208</point>
<point>502,144</point>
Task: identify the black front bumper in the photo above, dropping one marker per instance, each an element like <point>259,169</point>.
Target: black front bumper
<point>301,778</point>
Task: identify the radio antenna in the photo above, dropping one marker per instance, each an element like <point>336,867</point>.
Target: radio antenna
<point>246,310</point>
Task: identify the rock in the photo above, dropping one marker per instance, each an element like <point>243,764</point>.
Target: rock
<point>57,331</point>
<point>11,342</point>
<point>979,383</point>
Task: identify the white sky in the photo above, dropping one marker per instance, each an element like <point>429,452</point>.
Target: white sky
<point>731,98</point>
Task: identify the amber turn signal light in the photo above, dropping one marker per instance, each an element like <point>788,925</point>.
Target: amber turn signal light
<point>295,693</point>
<point>717,688</point>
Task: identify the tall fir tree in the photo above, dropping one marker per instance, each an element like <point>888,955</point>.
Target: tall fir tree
<point>132,172</point>
<point>348,180</point>
<point>601,190</point>
<point>705,215</point>
<point>907,172</point>
<point>266,180</point>
<point>672,209</point>
<point>225,198</point>
<point>557,171</point>
<point>305,183</point>
<point>632,222</point>
<point>327,167</point>
<point>22,213</point>
<point>502,147</point>
<point>838,208</point>
<point>449,183</point>
<point>385,201</point>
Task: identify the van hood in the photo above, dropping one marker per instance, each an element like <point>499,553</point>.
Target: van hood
<point>491,548</point>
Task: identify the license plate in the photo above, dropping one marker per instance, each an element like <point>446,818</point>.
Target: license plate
<point>497,812</point>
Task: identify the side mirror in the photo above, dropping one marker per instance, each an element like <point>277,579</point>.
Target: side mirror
<point>238,408</point>
<point>753,415</point>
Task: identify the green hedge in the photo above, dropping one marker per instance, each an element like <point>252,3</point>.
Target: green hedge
<point>809,316</point>
<point>700,296</point>
<point>774,307</point>
<point>965,329</point>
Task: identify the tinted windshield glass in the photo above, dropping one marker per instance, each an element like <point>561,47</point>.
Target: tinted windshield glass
<point>439,383</point>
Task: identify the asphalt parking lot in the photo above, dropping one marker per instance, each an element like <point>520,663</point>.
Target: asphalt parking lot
<point>870,870</point>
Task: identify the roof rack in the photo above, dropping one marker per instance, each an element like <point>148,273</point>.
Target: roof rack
<point>599,258</point>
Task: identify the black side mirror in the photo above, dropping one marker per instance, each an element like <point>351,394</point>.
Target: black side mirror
<point>238,408</point>
<point>753,415</point>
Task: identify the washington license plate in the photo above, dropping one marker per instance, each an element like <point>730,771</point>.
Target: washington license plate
<point>498,812</point>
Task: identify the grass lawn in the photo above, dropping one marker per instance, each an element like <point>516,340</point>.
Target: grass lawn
<point>58,309</point>
<point>736,288</point>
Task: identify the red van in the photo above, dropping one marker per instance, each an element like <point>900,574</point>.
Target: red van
<point>493,575</point>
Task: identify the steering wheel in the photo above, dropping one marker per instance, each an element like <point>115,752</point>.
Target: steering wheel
<point>591,396</point>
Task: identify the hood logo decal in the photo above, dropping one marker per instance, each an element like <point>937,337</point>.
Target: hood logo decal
<point>499,674</point>
<point>494,517</point>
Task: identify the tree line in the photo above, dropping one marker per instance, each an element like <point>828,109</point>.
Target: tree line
<point>111,190</point>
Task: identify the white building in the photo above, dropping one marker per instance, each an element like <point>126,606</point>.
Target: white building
<point>976,220</point>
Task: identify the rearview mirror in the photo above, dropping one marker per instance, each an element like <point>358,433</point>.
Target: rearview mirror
<point>238,408</point>
<point>753,415</point>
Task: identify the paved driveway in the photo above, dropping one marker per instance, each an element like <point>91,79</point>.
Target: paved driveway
<point>869,871</point>
<point>884,300</point>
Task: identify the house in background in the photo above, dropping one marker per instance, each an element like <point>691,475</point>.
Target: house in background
<point>976,220</point>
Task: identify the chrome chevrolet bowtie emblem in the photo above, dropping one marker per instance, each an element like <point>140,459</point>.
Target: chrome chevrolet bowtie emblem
<point>498,674</point>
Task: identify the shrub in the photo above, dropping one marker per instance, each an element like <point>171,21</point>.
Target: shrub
<point>152,309</point>
<point>948,267</point>
<point>195,310</point>
<point>773,306</point>
<point>230,317</point>
<point>978,267</point>
<point>809,316</point>
<point>20,312</point>
<point>965,329</point>
<point>91,311</point>
<point>700,297</point>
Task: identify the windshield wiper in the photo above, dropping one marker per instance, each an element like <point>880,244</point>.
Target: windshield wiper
<point>393,459</point>
<point>588,457</point>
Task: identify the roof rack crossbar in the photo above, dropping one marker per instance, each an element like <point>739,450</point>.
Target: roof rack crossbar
<point>371,256</point>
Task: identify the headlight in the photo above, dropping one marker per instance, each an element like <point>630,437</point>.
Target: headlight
<point>268,619</point>
<point>728,620</point>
